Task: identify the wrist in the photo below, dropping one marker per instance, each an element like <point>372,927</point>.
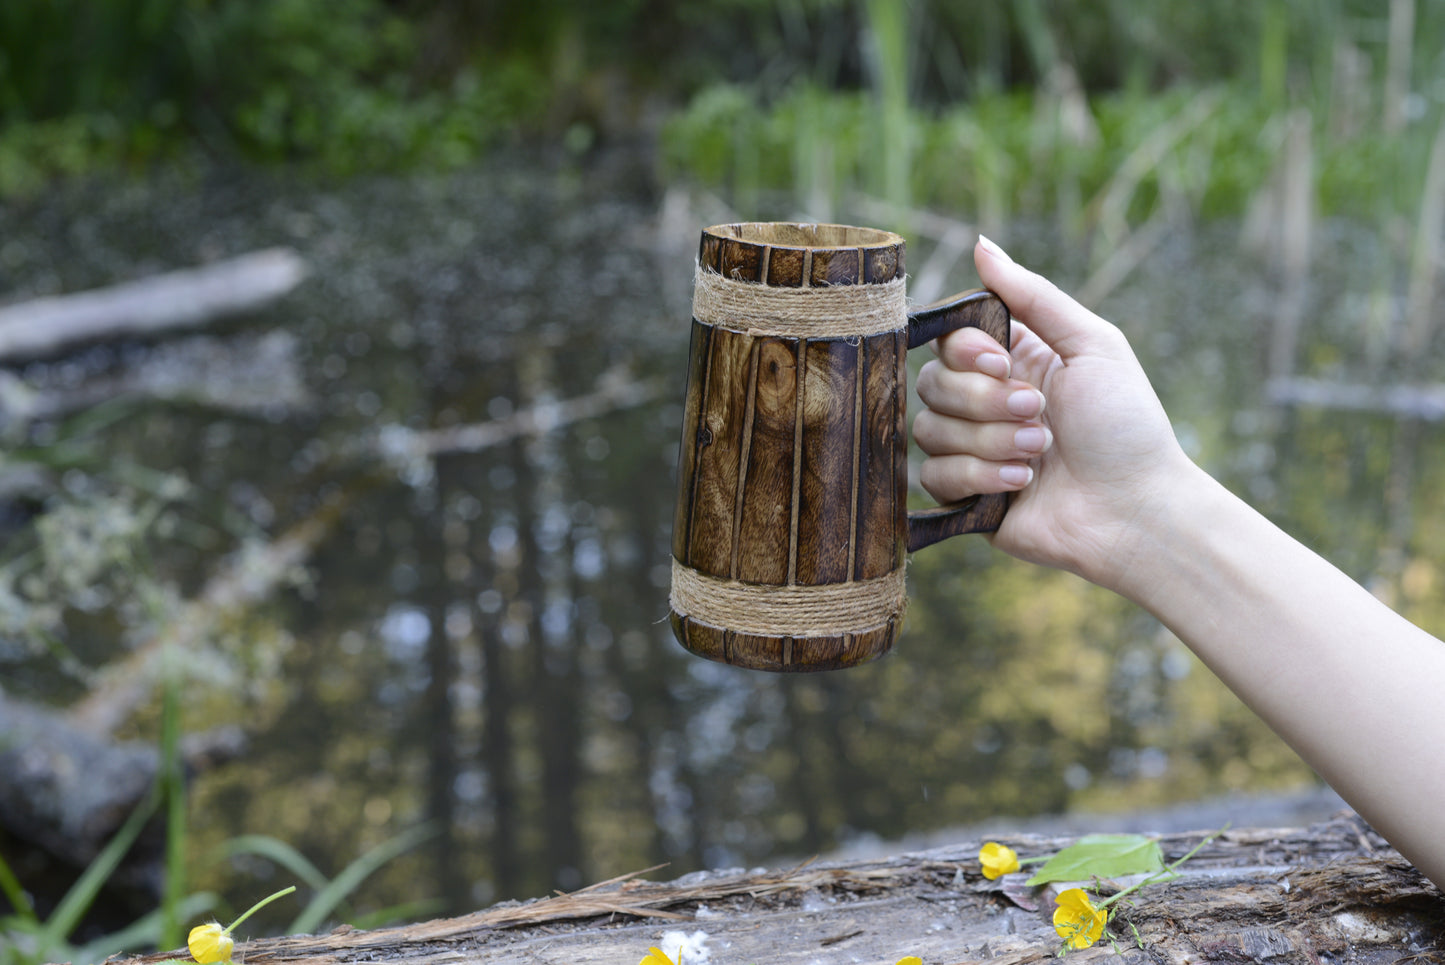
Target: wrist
<point>1162,526</point>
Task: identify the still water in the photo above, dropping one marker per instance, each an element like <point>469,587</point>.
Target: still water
<point>476,636</point>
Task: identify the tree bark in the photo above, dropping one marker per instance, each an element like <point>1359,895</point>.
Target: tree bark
<point>1335,892</point>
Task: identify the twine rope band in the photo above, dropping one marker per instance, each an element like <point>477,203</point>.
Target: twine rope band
<point>831,311</point>
<point>827,609</point>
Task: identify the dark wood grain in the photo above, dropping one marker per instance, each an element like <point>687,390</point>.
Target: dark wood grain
<point>977,514</point>
<point>724,408</point>
<point>825,513</point>
<point>765,504</point>
<point>779,487</point>
<point>784,653</point>
<point>981,309</point>
<point>694,437</point>
<point>978,307</point>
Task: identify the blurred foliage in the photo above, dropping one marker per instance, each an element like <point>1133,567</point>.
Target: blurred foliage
<point>124,81</point>
<point>1040,109</point>
<point>384,84</point>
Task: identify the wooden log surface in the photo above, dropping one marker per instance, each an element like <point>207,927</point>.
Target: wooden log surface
<point>1335,892</point>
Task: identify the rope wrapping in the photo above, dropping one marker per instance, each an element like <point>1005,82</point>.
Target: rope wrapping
<point>833,311</point>
<point>801,610</point>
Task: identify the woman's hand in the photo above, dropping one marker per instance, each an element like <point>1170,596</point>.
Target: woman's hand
<point>1070,423</point>
<point>1351,685</point>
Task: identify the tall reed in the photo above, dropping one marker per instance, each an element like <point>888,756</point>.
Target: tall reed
<point>888,48</point>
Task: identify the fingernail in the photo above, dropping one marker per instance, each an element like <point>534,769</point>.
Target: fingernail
<point>992,248</point>
<point>991,363</point>
<point>1026,403</point>
<point>1032,438</point>
<point>1015,475</point>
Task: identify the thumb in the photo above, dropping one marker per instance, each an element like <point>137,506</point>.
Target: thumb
<point>1068,327</point>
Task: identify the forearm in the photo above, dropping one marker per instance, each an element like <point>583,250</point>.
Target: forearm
<point>1354,688</point>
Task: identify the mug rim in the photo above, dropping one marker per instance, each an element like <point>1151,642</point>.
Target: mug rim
<point>799,254</point>
<point>811,235</point>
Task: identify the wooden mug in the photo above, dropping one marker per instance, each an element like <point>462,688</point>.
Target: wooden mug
<point>791,525</point>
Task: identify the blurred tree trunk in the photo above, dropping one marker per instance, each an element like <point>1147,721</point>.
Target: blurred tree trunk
<point>554,677</point>
<point>805,781</point>
<point>497,757</point>
<point>440,718</point>
<point>645,685</point>
<point>844,777</point>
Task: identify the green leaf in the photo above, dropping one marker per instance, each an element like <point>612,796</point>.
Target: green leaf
<point>1102,856</point>
<point>279,853</point>
<point>77,901</point>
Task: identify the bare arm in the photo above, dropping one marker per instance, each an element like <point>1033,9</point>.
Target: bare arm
<point>1105,491</point>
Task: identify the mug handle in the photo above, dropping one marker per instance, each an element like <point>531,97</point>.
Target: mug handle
<point>983,309</point>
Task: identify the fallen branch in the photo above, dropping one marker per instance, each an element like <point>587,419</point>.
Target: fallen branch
<point>148,306</point>
<point>245,579</point>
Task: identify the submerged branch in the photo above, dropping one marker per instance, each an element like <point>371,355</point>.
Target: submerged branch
<point>1425,402</point>
<point>615,391</point>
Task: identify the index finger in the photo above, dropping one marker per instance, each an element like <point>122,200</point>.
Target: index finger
<point>972,349</point>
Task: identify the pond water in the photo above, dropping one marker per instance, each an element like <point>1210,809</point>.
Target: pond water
<point>480,640</point>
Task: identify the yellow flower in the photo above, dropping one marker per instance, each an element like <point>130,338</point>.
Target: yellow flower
<point>210,943</point>
<point>910,960</point>
<point>656,956</point>
<point>997,859</point>
<point>1076,919</point>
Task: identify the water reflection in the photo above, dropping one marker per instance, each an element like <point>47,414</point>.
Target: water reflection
<point>480,639</point>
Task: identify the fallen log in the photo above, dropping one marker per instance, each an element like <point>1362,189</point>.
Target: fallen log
<point>1334,892</point>
<point>148,306</point>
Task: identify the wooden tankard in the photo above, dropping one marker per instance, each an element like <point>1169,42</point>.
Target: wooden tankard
<point>791,526</point>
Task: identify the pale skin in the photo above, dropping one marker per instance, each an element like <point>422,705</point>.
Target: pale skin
<point>1068,421</point>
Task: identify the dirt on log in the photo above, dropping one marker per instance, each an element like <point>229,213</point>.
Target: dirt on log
<point>1335,892</point>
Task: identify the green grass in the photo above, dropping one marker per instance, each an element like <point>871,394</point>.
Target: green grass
<point>26,939</point>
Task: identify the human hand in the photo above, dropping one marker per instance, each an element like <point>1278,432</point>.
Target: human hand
<point>1070,423</point>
